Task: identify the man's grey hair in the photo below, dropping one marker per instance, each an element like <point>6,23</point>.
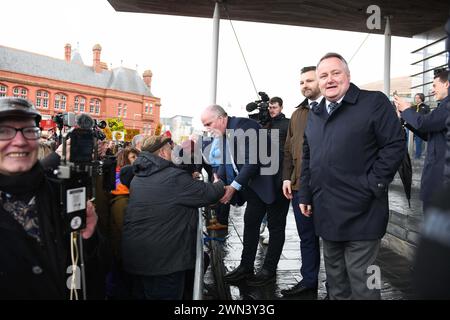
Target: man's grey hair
<point>217,110</point>
<point>335,55</point>
<point>137,139</point>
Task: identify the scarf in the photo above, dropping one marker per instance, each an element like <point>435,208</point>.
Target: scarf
<point>18,198</point>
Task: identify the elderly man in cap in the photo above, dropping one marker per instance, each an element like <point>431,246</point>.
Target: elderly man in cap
<point>33,240</point>
<point>160,223</point>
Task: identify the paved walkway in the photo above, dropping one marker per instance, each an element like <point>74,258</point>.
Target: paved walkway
<point>396,270</point>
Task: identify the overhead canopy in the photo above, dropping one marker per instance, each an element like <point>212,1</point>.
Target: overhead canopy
<point>408,17</point>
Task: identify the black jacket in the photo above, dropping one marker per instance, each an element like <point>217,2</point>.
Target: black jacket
<point>160,223</point>
<point>349,159</point>
<point>28,269</point>
<point>433,125</point>
<point>280,123</point>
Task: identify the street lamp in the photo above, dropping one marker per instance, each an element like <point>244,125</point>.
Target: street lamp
<point>134,119</point>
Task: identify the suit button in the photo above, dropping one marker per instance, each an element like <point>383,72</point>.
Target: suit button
<point>37,270</point>
<point>381,186</point>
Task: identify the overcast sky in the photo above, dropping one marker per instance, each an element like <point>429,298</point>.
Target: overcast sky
<point>178,51</point>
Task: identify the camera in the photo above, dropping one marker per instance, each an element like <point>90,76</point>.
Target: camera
<point>66,119</point>
<point>79,175</point>
<point>263,115</point>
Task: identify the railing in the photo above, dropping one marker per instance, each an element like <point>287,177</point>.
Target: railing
<point>198,277</point>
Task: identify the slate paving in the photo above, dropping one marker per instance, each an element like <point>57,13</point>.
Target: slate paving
<point>395,269</point>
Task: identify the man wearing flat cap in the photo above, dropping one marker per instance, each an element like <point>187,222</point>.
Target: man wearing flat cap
<point>160,223</point>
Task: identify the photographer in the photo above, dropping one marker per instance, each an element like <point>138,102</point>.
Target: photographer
<point>33,239</point>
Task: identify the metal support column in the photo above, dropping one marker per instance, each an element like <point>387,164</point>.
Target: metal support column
<point>387,58</point>
<point>215,53</point>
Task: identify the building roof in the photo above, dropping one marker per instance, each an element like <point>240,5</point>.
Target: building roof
<point>400,84</point>
<point>76,57</point>
<point>121,79</point>
<point>408,18</point>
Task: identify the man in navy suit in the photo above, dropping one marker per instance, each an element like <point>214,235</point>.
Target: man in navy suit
<point>352,148</point>
<point>250,183</point>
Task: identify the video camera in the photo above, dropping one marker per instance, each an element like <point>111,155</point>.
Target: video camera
<point>263,116</point>
<point>78,173</point>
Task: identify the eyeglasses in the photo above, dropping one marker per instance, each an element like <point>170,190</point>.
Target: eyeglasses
<point>29,133</point>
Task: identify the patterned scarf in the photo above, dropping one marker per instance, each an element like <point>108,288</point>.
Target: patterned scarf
<point>17,197</point>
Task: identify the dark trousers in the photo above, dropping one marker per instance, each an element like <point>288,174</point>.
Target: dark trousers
<point>350,269</point>
<point>162,287</point>
<point>418,142</point>
<point>309,245</point>
<point>222,210</point>
<point>222,213</point>
<point>276,216</point>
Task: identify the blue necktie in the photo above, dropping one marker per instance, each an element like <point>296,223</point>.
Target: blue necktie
<point>313,105</point>
<point>332,106</point>
<point>229,170</point>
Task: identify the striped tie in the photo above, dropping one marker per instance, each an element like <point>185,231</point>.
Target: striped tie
<point>332,106</point>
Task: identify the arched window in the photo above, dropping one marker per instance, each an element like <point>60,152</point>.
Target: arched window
<point>91,106</point>
<point>94,106</point>
<point>60,101</point>
<point>3,90</point>
<point>20,92</point>
<point>97,106</point>
<point>42,99</point>
<point>80,104</point>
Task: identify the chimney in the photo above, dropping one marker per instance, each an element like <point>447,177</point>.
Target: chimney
<point>67,52</point>
<point>97,49</point>
<point>147,76</point>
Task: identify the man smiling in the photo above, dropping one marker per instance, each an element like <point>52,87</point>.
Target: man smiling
<point>353,146</point>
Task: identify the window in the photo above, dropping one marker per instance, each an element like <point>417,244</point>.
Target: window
<point>42,99</point>
<point>80,103</point>
<point>119,110</point>
<point>94,106</point>
<point>146,107</point>
<point>20,92</point>
<point>124,110</point>
<point>97,106</point>
<point>151,108</point>
<point>60,101</point>
<point>3,90</point>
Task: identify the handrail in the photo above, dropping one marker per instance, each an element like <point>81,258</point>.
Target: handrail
<point>429,45</point>
<point>197,293</point>
<point>429,57</point>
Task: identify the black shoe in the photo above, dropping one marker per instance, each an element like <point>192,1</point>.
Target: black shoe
<point>298,289</point>
<point>238,274</point>
<point>262,278</point>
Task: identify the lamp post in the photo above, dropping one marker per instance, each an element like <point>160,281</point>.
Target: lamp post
<point>134,119</point>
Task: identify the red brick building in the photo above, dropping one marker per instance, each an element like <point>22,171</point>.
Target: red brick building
<point>68,85</point>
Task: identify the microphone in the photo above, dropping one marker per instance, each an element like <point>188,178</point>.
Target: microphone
<point>85,122</point>
<point>251,106</point>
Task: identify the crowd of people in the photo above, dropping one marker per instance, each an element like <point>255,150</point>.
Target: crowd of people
<point>334,160</point>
